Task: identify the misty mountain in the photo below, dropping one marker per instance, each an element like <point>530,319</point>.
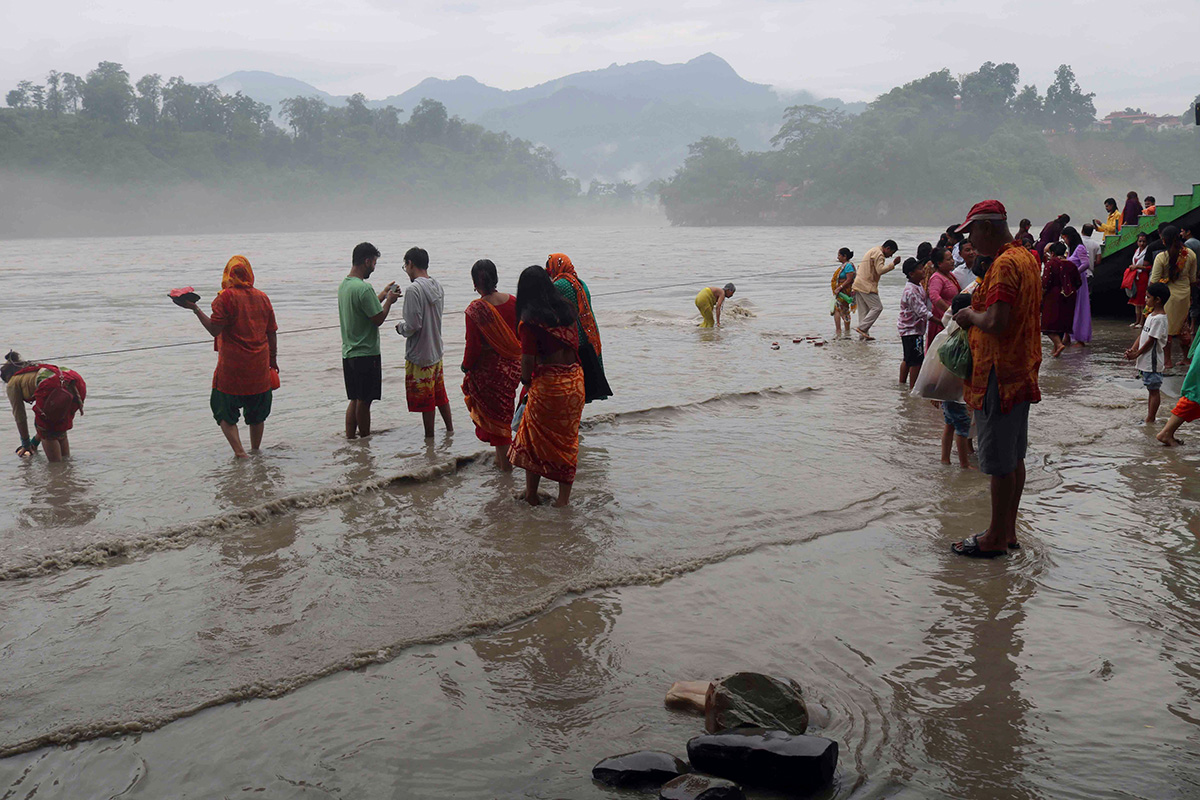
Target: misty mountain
<point>625,122</point>
<point>266,87</point>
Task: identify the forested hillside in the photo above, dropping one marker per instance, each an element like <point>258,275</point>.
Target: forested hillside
<point>76,136</point>
<point>920,153</point>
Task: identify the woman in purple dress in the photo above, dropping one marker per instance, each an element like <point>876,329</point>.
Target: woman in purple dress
<point>1081,331</point>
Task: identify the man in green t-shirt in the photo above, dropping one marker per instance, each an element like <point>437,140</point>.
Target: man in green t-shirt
<point>361,311</point>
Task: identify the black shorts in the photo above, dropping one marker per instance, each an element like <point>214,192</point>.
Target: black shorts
<point>364,377</point>
<point>914,350</point>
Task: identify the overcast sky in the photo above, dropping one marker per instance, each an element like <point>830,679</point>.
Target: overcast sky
<point>1139,55</point>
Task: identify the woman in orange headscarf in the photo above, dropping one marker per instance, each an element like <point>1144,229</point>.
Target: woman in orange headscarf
<point>491,361</point>
<point>562,272</point>
<point>243,328</point>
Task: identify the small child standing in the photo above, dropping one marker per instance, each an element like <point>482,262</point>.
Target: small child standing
<point>915,313</point>
<point>1148,349</point>
<point>955,415</point>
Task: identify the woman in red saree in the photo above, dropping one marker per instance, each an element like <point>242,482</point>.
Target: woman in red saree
<point>491,362</point>
<point>547,440</point>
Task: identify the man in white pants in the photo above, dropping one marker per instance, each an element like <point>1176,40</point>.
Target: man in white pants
<point>873,266</point>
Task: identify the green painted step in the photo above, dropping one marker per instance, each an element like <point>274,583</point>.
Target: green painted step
<point>1166,212</point>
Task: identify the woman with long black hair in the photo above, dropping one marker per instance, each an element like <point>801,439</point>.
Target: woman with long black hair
<point>547,440</point>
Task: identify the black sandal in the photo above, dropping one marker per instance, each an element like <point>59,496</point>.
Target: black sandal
<point>970,548</point>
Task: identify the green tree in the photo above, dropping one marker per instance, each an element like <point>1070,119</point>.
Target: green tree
<point>54,96</point>
<point>935,93</point>
<point>37,97</point>
<point>804,125</point>
<point>1028,107</point>
<point>72,88</point>
<point>1067,107</point>
<point>19,97</point>
<point>429,121</point>
<point>149,100</point>
<point>987,94</point>
<point>305,116</point>
<point>107,94</point>
<point>357,112</point>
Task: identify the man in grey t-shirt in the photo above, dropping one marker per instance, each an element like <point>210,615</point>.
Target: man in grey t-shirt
<point>424,384</point>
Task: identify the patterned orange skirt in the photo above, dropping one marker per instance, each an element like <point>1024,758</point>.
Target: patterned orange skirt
<point>547,440</point>
<point>489,391</point>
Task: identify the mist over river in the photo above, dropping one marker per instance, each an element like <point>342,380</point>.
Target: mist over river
<point>379,618</point>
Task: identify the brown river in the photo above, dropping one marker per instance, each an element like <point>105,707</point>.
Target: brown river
<point>380,619</point>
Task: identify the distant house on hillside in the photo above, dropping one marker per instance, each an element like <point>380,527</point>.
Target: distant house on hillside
<point>1128,118</point>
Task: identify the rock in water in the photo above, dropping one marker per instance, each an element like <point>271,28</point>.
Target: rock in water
<point>754,700</point>
<point>772,759</point>
<point>645,769</point>
<point>689,695</point>
<point>701,787</point>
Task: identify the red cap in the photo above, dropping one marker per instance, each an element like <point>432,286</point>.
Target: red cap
<point>988,209</point>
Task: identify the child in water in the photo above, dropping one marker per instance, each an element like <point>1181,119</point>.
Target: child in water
<point>843,300</point>
<point>915,312</point>
<point>955,415</point>
<point>1148,349</point>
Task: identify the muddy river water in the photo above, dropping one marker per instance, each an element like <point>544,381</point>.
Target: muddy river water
<point>379,618</point>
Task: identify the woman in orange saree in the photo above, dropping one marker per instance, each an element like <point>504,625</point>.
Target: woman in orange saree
<point>547,440</point>
<point>491,362</point>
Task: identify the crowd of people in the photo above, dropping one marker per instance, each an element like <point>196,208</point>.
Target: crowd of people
<point>534,359</point>
<point>1000,292</point>
<point>544,339</point>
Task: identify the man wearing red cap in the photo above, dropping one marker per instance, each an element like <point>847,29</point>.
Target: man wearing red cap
<point>1004,321</point>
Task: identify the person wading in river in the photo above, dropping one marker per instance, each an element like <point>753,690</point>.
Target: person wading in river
<point>709,303</point>
<point>57,396</point>
<point>243,328</point>
<point>1006,350</point>
<point>491,361</point>
<point>361,312</point>
<point>874,265</point>
<point>424,383</point>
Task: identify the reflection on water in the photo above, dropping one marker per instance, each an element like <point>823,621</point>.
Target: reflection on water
<point>561,657</point>
<point>56,496</point>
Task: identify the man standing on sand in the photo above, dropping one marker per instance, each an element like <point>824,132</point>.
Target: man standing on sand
<point>424,384</point>
<point>866,285</point>
<point>361,311</point>
<point>1004,321</point>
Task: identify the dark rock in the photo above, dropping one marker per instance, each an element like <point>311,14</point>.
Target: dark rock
<point>774,759</point>
<point>645,769</point>
<point>748,699</point>
<point>701,787</point>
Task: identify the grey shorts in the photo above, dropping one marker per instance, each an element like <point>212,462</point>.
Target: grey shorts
<point>1003,438</point>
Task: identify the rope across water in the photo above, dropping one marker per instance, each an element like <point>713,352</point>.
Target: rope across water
<point>78,356</point>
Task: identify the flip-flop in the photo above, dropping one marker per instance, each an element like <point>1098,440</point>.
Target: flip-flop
<point>970,548</point>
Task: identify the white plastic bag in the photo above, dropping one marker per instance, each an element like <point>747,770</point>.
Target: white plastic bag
<point>934,381</point>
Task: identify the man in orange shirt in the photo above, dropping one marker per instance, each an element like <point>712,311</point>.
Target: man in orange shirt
<point>1004,321</point>
<point>243,324</point>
